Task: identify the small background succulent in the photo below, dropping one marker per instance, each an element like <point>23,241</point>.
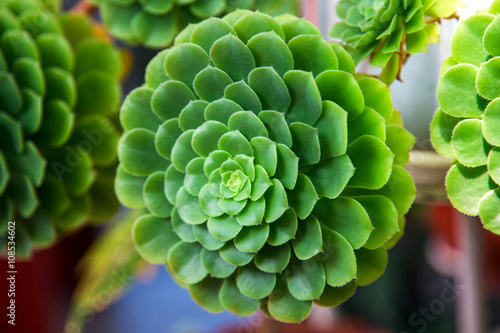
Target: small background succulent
<point>273,175</point>
<point>466,127</point>
<point>59,88</point>
<point>388,31</point>
<point>155,23</point>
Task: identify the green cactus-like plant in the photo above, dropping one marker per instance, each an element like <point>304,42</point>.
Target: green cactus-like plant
<point>59,86</point>
<point>389,30</point>
<point>272,174</point>
<point>156,23</point>
<point>466,127</point>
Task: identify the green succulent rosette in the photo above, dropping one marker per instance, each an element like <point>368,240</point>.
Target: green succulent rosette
<point>272,174</point>
<point>466,127</point>
<point>59,86</point>
<point>389,30</point>
<point>155,23</point>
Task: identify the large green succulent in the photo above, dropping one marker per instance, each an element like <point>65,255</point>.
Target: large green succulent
<point>273,176</point>
<point>389,30</point>
<point>155,23</point>
<point>58,86</point>
<point>466,127</point>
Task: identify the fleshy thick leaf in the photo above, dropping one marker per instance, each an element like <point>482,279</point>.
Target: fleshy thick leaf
<point>384,218</point>
<point>468,143</point>
<point>488,79</point>
<point>185,61</point>
<point>331,176</point>
<point>206,137</point>
<point>284,307</point>
<point>184,260</point>
<point>347,217</point>
<point>306,100</point>
<point>332,130</point>
<point>255,283</point>
<point>333,296</point>
<point>189,208</point>
<point>371,265</point>
<point>467,42</point>
<point>466,187</point>
<point>283,229</point>
<point>138,145</point>
<point>154,195</point>
<point>251,239</point>
<point>276,201</point>
<point>205,238</point>
<point>231,55</point>
<point>273,259</point>
<point>491,121</point>
<point>311,53</point>
<point>306,279</point>
<point>206,293</point>
<point>456,92</point>
<point>215,265</point>
<point>308,240</point>
<point>270,88</point>
<point>269,50</point>
<point>338,259</point>
<point>341,88</point>
<point>489,213</point>
<point>234,301</point>
<point>372,160</point>
<point>154,237</point>
<point>303,197</point>
<point>305,143</point>
<point>234,256</point>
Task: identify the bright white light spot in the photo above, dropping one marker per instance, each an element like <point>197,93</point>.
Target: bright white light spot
<point>473,6</point>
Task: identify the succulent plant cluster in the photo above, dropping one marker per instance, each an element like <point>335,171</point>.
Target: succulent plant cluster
<point>59,85</point>
<point>272,175</point>
<point>156,23</point>
<point>390,30</point>
<point>466,127</point>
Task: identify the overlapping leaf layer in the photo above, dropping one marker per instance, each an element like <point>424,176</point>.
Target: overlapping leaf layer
<point>466,127</point>
<point>59,85</point>
<point>155,23</point>
<point>273,176</point>
<point>389,30</point>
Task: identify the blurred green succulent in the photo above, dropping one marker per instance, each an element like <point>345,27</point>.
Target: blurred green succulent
<point>155,23</point>
<point>389,30</point>
<point>59,85</point>
<point>466,127</point>
<point>273,176</point>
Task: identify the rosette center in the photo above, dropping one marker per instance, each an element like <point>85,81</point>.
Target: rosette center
<point>233,181</point>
